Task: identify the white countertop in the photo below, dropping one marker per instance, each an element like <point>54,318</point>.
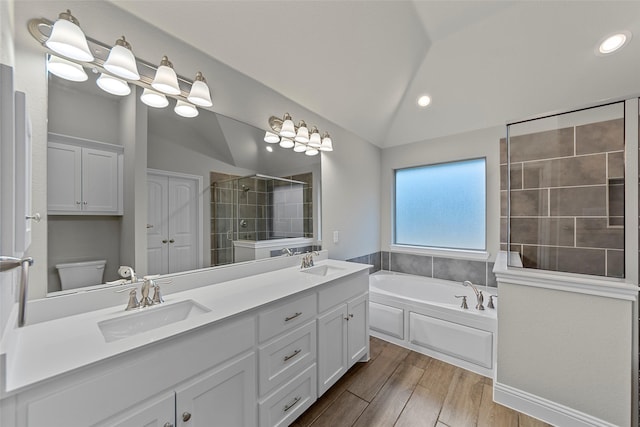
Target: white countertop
<point>44,350</point>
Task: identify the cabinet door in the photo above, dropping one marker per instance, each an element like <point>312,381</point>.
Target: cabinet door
<point>332,347</point>
<point>358,326</point>
<point>160,412</point>
<point>99,181</point>
<point>225,397</point>
<point>64,177</point>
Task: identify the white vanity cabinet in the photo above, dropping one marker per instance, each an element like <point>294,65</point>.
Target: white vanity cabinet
<point>258,365</point>
<point>343,327</point>
<point>83,177</point>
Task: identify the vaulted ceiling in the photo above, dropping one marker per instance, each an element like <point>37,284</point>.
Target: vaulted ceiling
<point>363,64</point>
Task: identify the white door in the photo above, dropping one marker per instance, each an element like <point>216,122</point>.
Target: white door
<point>225,397</point>
<point>157,224</point>
<point>173,225</point>
<point>183,219</point>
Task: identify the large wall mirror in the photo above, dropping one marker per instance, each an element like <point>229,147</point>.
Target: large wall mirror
<point>214,193</point>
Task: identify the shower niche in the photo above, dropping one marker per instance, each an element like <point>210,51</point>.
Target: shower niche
<point>257,216</point>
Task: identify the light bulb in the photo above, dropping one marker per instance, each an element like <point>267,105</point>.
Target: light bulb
<point>327,144</point>
<point>303,133</point>
<point>299,147</point>
<point>314,141</point>
<point>311,151</point>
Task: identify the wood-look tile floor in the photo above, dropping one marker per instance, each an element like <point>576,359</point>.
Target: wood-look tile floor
<point>399,387</point>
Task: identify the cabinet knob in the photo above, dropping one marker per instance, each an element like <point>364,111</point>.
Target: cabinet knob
<point>77,202</point>
<point>186,416</point>
<point>171,241</point>
<point>84,203</point>
<point>164,240</point>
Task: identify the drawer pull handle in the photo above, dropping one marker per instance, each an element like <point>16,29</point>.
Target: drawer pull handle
<point>299,313</point>
<point>292,355</point>
<point>293,403</point>
<point>186,416</point>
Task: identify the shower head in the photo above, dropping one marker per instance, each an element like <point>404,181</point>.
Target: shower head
<point>245,188</point>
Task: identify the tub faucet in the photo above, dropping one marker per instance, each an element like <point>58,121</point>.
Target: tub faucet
<point>478,293</point>
<point>287,251</point>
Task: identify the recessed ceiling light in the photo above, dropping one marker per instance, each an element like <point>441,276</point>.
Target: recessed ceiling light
<point>424,100</point>
<point>613,42</point>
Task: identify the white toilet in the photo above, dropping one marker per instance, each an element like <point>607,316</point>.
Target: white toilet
<point>79,274</point>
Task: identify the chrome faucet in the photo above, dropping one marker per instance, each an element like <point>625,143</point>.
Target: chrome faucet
<point>307,260</point>
<point>8,263</point>
<point>478,293</point>
<point>145,301</point>
<point>287,251</point>
<point>127,272</point>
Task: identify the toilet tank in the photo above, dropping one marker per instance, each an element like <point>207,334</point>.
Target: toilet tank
<point>79,274</point>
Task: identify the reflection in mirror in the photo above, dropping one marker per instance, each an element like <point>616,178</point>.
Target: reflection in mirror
<point>196,170</point>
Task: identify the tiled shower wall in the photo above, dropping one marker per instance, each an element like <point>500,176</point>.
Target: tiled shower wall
<point>567,198</point>
<point>458,270</point>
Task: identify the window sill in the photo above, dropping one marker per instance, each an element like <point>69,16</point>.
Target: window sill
<point>441,252</point>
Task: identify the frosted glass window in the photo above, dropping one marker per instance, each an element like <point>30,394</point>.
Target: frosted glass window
<point>442,205</point>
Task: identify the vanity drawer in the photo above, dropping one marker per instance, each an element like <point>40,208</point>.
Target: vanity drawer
<point>283,317</point>
<point>291,400</point>
<point>286,357</point>
<point>342,290</point>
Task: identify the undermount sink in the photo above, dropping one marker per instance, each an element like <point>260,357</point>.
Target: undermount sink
<point>321,270</point>
<point>148,319</point>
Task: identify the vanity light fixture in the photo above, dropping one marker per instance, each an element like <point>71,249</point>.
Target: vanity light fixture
<point>113,85</point>
<point>327,144</point>
<point>200,94</point>
<point>166,80</point>
<point>271,138</point>
<point>287,143</point>
<point>185,109</point>
<point>117,65</point>
<point>613,43</point>
<point>283,131</point>
<point>121,61</point>
<point>68,40</point>
<point>154,99</point>
<point>66,69</point>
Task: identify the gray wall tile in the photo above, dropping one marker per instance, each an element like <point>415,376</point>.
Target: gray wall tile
<point>503,151</point>
<point>491,278</point>
<point>615,263</point>
<point>375,260</point>
<point>600,137</point>
<point>616,164</point>
<point>530,203</point>
<point>596,233</point>
<point>571,260</point>
<point>503,203</point>
<point>385,260</point>
<point>460,270</point>
<point>516,176</point>
<point>571,171</point>
<point>542,145</point>
<point>579,201</point>
<point>543,231</point>
<point>412,264</point>
<point>616,199</point>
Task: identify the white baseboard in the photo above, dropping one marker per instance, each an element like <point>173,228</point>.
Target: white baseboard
<point>543,409</point>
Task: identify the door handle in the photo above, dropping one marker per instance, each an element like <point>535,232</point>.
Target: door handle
<point>172,241</point>
<point>164,240</point>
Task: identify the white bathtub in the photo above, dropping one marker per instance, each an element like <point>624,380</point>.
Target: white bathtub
<point>424,315</point>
